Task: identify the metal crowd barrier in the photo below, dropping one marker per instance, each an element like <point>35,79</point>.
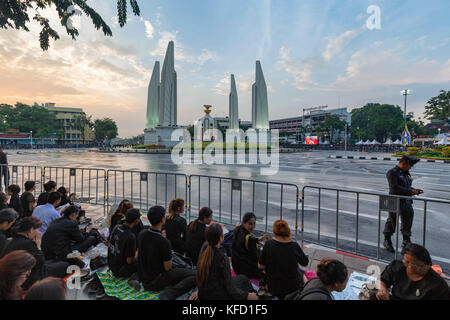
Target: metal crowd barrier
<point>231,198</point>
<point>321,218</point>
<point>145,189</point>
<point>19,174</point>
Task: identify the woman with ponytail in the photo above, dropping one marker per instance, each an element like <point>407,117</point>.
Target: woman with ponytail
<point>214,273</point>
<point>332,276</point>
<point>280,259</point>
<point>195,236</point>
<point>176,226</point>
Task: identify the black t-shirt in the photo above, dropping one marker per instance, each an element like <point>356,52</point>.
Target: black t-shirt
<point>431,287</point>
<point>194,241</point>
<point>176,233</point>
<point>154,250</point>
<point>122,245</point>
<point>245,257</point>
<point>26,198</point>
<point>16,204</point>
<point>281,261</point>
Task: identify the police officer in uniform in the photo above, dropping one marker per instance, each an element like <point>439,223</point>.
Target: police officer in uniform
<point>400,182</point>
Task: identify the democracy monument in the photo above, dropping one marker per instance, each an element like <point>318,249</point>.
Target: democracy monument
<point>161,119</point>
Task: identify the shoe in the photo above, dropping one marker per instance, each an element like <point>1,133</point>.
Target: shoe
<point>134,284</point>
<point>74,255</point>
<point>388,245</point>
<point>405,242</point>
<point>100,294</point>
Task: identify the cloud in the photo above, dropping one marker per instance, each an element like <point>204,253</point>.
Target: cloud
<point>302,72</point>
<point>243,84</point>
<point>149,30</point>
<point>369,68</point>
<point>337,44</point>
<point>206,55</point>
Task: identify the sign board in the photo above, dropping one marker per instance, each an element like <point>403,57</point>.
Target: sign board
<point>73,172</point>
<point>406,137</point>
<point>236,184</point>
<point>14,169</point>
<point>144,176</point>
<point>390,204</point>
<point>311,140</point>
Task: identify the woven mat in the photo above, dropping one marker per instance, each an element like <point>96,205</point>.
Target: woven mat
<point>119,288</point>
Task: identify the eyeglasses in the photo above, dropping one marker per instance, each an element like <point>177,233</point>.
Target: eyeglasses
<point>413,265</point>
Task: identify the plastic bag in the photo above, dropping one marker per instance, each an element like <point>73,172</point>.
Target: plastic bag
<point>99,250</point>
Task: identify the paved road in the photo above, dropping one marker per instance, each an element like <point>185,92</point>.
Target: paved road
<point>302,169</point>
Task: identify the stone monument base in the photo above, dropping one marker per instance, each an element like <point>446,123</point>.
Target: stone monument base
<point>161,136</point>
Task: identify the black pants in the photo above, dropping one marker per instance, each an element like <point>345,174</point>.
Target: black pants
<point>86,244</point>
<point>178,281</point>
<point>242,282</point>
<point>126,271</point>
<point>406,217</point>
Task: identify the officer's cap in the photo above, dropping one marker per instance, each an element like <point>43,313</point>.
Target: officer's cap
<point>411,160</point>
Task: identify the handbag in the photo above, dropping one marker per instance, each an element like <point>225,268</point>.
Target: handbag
<point>180,261</point>
<point>368,292</point>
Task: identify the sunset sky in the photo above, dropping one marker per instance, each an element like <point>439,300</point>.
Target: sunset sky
<point>312,53</point>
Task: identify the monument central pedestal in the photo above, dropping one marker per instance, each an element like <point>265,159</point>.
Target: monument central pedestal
<point>161,136</point>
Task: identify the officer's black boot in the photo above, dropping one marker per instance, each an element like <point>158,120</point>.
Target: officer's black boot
<point>406,241</point>
<point>388,244</point>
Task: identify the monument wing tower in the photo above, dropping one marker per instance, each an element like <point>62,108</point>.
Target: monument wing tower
<point>153,99</point>
<point>234,111</point>
<point>260,105</point>
<point>168,95</point>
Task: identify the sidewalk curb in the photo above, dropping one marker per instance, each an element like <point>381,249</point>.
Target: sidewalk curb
<point>383,159</point>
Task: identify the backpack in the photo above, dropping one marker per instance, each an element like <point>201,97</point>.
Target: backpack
<point>180,261</point>
<point>300,293</point>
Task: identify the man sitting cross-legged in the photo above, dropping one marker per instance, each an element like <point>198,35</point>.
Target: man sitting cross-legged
<point>155,260</point>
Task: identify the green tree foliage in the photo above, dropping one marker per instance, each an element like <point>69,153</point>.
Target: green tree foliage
<point>333,123</point>
<point>377,121</point>
<point>27,118</point>
<point>105,129</point>
<point>16,14</point>
<point>438,108</point>
<point>82,122</point>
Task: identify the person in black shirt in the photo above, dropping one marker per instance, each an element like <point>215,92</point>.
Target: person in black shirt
<point>4,172</point>
<point>14,201</point>
<point>413,278</point>
<point>27,237</point>
<point>280,258</point>
<point>27,198</point>
<point>332,276</point>
<point>122,246</point>
<point>49,187</point>
<point>7,219</point>
<point>245,248</point>
<point>195,236</point>
<point>155,260</point>
<point>214,273</point>
<point>64,236</point>
<point>400,182</point>
<point>176,226</point>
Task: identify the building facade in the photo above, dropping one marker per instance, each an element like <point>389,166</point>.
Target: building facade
<point>72,128</point>
<point>305,125</point>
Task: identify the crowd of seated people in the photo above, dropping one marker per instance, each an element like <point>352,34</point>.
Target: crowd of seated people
<point>43,235</point>
<point>35,259</point>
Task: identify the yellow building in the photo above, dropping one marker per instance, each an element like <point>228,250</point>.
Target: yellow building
<point>72,127</point>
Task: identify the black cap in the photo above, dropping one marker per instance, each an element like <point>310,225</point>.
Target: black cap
<point>411,160</point>
<point>132,215</point>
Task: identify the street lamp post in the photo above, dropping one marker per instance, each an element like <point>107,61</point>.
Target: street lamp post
<point>405,92</point>
<point>31,139</point>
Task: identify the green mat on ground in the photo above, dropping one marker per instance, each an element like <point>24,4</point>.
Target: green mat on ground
<point>119,288</point>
